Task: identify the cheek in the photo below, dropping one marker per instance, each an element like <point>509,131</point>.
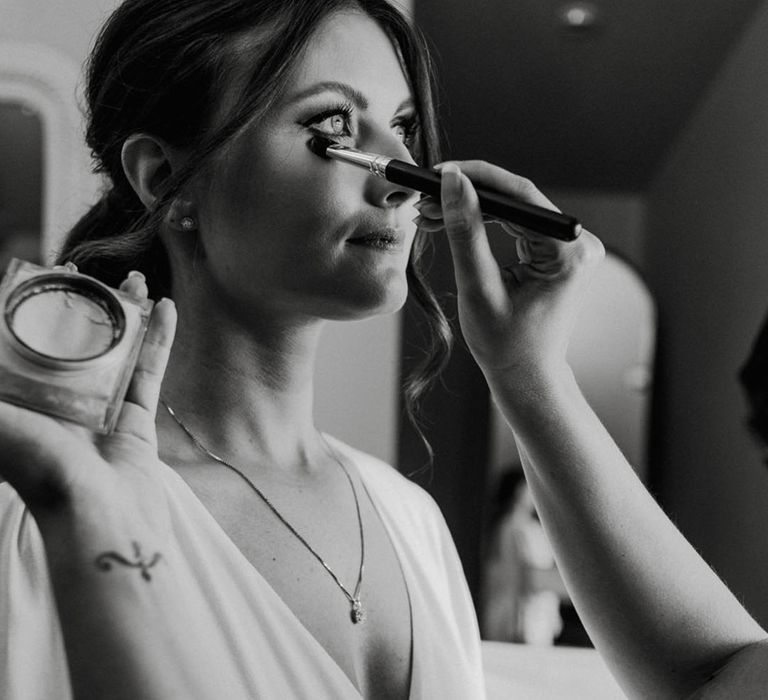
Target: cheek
<point>292,187</point>
<point>270,222</point>
<point>256,196</point>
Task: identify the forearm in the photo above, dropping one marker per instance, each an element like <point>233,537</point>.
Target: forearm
<point>654,608</point>
<point>132,627</point>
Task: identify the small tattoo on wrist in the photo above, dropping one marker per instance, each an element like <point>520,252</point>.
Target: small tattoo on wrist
<point>107,560</point>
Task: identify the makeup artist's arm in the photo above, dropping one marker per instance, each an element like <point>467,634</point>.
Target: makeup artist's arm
<point>657,613</point>
<point>126,629</point>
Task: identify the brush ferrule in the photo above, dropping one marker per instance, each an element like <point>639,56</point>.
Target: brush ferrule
<point>378,165</point>
<point>373,162</point>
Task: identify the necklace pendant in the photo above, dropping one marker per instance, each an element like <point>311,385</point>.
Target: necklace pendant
<point>357,614</point>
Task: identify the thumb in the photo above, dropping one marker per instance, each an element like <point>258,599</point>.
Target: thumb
<point>137,416</point>
<point>475,267</point>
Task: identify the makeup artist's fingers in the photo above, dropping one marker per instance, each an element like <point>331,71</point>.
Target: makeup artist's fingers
<point>137,416</point>
<point>545,257</point>
<point>430,208</point>
<point>523,250</point>
<point>497,178</point>
<point>475,268</point>
<point>431,212</point>
<point>429,225</point>
<point>521,242</point>
<point>68,266</point>
<point>135,285</point>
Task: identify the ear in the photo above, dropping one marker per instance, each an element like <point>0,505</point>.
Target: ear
<point>147,161</point>
<point>146,164</point>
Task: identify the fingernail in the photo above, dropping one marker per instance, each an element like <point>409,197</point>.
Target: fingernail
<point>70,266</point>
<point>451,176</point>
<point>135,274</point>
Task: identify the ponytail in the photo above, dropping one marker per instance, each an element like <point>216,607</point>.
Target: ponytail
<point>116,235</point>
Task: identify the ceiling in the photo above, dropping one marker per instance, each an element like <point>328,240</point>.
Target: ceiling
<point>596,108</point>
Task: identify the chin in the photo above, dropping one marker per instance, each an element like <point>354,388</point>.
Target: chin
<point>371,303</point>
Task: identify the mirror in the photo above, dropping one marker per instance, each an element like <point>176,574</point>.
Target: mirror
<point>21,183</point>
<point>41,131</point>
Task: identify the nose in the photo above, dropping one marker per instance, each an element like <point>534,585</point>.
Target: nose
<point>379,191</point>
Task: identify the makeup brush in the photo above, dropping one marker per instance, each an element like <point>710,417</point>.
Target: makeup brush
<point>498,206</point>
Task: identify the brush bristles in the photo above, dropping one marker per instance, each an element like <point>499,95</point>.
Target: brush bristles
<point>319,145</point>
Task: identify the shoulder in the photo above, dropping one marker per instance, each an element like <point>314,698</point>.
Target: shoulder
<point>384,478</point>
<point>408,504</point>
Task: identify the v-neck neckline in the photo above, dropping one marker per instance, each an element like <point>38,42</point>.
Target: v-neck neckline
<point>287,611</point>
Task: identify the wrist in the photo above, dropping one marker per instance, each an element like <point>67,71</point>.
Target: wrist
<point>78,532</point>
<point>528,377</point>
<point>528,389</point>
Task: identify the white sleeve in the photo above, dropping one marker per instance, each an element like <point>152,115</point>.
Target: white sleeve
<point>32,659</point>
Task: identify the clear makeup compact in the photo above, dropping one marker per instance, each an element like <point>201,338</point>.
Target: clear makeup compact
<point>68,343</point>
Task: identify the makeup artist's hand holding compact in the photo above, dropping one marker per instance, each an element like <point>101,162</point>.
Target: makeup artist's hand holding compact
<point>52,462</point>
<point>516,316</point>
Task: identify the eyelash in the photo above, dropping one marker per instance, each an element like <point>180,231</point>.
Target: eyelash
<point>408,123</point>
<point>343,109</point>
<point>411,132</point>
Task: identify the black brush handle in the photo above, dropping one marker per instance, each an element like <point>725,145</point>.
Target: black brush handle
<point>545,221</point>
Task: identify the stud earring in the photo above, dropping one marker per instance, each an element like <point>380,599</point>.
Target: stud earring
<point>188,223</point>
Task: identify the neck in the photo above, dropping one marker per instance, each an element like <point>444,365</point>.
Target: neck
<point>246,393</point>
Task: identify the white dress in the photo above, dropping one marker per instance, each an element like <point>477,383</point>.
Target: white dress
<point>268,651</point>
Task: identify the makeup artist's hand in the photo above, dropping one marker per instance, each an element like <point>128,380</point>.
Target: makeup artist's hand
<point>516,316</point>
<point>52,462</point>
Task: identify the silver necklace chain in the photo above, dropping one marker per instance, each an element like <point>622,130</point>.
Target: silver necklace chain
<point>357,614</point>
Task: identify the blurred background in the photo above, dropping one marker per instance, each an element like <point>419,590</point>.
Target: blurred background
<point>649,121</point>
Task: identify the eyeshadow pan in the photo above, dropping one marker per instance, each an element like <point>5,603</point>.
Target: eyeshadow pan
<point>64,319</point>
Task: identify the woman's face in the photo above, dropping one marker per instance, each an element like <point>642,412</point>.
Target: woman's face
<point>285,231</point>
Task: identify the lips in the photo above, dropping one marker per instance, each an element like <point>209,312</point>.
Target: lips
<point>381,238</point>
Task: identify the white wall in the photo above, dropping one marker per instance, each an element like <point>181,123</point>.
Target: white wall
<point>64,26</point>
<point>708,262</point>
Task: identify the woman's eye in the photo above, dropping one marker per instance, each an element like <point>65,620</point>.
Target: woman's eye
<point>334,125</point>
<point>407,132</point>
<point>401,132</point>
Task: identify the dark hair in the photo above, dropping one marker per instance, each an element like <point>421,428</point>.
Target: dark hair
<point>157,67</point>
<point>754,379</point>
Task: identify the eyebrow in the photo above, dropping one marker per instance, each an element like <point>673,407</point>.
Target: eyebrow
<point>352,94</point>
